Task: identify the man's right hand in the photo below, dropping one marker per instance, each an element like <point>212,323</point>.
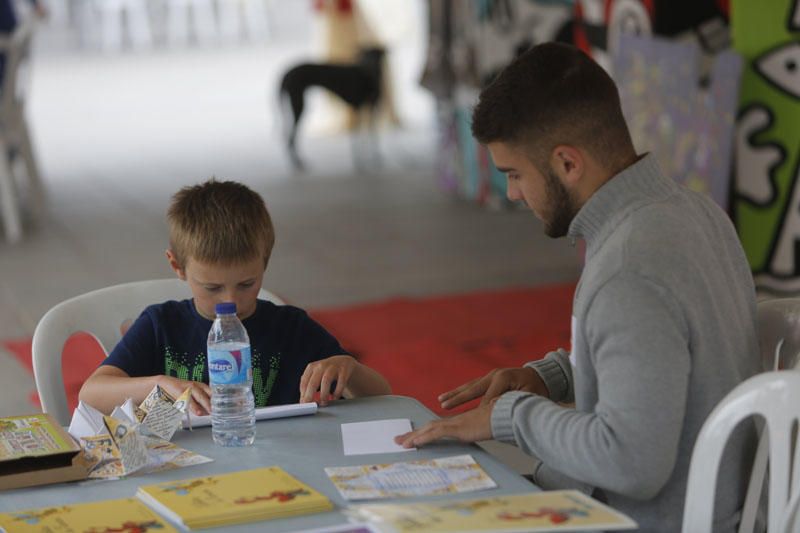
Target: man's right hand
<point>493,384</point>
<point>200,403</point>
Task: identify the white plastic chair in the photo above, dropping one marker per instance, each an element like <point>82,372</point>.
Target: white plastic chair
<point>109,15</point>
<point>779,332</point>
<point>776,397</point>
<point>244,18</point>
<point>203,21</point>
<point>14,135</point>
<point>100,313</point>
<point>779,339</point>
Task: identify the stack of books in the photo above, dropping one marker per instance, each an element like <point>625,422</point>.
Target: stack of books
<point>234,498</point>
<point>559,510</point>
<point>35,450</point>
<point>109,515</point>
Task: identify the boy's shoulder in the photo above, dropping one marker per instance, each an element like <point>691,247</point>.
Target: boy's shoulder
<point>267,310</point>
<point>182,309</point>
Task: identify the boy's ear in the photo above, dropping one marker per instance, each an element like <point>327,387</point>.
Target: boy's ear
<point>175,266</point>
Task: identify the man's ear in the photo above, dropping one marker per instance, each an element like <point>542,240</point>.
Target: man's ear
<point>175,266</point>
<point>569,163</point>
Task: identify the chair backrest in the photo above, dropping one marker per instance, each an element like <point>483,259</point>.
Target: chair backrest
<point>775,396</point>
<point>779,332</point>
<point>100,313</point>
<point>779,339</point>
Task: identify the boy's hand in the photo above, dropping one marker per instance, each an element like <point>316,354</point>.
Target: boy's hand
<point>494,384</point>
<point>319,376</point>
<point>200,402</point>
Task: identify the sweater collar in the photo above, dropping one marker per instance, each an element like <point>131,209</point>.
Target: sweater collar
<point>639,184</point>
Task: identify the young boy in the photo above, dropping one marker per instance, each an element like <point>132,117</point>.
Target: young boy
<point>220,241</point>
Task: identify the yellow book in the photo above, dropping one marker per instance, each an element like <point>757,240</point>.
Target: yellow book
<point>97,517</point>
<point>35,450</point>
<point>561,510</point>
<point>237,497</point>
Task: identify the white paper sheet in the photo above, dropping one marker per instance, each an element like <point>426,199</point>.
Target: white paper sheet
<point>376,436</point>
<point>262,413</point>
<point>86,422</point>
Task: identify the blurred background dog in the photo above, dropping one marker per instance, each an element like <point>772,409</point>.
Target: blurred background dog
<point>358,84</point>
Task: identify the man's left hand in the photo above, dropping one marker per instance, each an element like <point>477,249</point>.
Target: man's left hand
<point>470,426</point>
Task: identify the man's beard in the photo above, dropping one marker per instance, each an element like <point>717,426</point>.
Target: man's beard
<point>561,209</point>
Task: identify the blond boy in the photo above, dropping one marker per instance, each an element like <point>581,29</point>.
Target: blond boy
<point>221,238</point>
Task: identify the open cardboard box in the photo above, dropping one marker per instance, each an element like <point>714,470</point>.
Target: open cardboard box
<point>35,450</point>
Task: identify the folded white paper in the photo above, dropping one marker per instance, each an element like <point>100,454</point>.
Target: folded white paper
<point>376,436</point>
<point>125,412</point>
<point>86,422</point>
<point>262,413</point>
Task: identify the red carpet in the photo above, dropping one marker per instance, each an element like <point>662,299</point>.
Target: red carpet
<point>423,346</point>
<point>427,346</point>
<point>80,357</point>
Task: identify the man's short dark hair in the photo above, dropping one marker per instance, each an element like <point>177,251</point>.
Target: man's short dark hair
<point>554,94</point>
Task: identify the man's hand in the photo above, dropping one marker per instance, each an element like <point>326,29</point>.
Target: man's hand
<point>200,402</point>
<point>319,376</point>
<point>470,426</point>
<point>494,384</point>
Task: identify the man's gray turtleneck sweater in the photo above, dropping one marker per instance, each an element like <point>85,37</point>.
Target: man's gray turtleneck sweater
<point>664,326</point>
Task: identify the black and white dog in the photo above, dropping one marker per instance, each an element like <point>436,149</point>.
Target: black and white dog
<point>358,84</point>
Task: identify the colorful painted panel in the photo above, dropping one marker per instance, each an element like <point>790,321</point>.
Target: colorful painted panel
<point>687,126</point>
<point>767,199</point>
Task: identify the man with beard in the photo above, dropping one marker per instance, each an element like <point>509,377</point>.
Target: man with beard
<point>664,316</point>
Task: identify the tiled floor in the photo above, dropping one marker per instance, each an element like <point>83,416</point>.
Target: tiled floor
<point>117,136</point>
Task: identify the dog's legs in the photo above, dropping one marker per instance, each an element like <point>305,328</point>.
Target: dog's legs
<point>372,128</point>
<point>295,98</point>
<point>359,139</point>
<point>355,141</point>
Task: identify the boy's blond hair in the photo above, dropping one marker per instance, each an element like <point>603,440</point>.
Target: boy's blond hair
<point>220,223</point>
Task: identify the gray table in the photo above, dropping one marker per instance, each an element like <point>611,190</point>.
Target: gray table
<point>302,446</point>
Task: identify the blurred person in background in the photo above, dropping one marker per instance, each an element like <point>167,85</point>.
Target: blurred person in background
<point>9,20</point>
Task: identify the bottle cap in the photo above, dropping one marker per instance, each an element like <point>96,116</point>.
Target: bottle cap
<point>225,308</point>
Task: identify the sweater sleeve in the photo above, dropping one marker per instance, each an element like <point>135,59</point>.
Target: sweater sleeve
<point>628,443</point>
<point>556,372</point>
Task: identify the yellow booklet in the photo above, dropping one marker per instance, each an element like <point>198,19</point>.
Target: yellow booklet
<point>35,450</point>
<point>237,497</point>
<point>561,510</point>
<point>109,515</point>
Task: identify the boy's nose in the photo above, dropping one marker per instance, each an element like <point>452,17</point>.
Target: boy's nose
<point>229,296</point>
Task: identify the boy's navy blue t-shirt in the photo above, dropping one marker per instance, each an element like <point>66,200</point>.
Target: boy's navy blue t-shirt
<point>170,338</point>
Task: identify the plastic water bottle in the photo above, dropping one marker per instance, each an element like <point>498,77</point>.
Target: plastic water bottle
<point>230,372</point>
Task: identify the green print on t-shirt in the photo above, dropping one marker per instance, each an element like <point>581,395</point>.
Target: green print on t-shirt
<point>179,364</point>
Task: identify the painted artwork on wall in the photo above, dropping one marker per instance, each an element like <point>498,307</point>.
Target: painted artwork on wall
<point>599,24</point>
<point>766,206</point>
<point>684,115</point>
<point>470,42</point>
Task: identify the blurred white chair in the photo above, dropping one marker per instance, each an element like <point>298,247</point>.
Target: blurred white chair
<point>14,136</point>
<point>109,15</point>
<point>203,25</point>
<point>775,396</point>
<point>243,18</point>
<point>101,313</point>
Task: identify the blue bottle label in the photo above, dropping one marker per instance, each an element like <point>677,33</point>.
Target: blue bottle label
<point>229,367</point>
